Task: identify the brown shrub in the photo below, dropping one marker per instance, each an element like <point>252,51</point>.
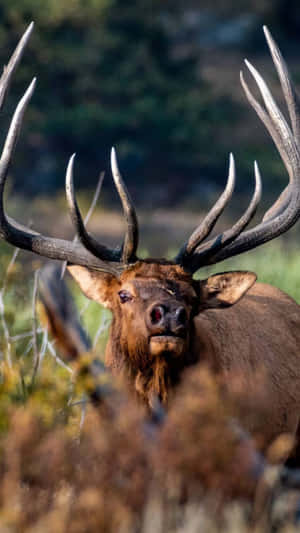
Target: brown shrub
<point>121,472</point>
<point>55,482</point>
<point>201,447</point>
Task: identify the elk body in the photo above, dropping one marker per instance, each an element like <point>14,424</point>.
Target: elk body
<point>164,320</point>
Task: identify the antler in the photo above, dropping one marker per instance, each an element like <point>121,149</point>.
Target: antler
<point>87,252</point>
<point>286,210</point>
<point>195,253</point>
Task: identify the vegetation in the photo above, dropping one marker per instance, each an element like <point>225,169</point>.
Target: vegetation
<point>69,466</point>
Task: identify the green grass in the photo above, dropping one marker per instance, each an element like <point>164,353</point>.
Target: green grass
<point>94,316</point>
<point>276,263</point>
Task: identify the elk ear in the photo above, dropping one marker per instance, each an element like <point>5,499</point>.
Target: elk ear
<point>224,290</point>
<point>98,286</point>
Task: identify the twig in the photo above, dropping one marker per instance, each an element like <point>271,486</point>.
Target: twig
<point>58,359</point>
<point>5,331</point>
<point>95,197</point>
<point>88,215</point>
<point>36,352</point>
<point>29,346</point>
<point>9,268</point>
<point>20,336</point>
<point>78,402</point>
<point>2,308</point>
<point>82,415</point>
<point>44,345</point>
<point>84,307</point>
<point>100,330</point>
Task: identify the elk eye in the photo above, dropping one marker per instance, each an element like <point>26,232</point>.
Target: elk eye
<point>124,296</point>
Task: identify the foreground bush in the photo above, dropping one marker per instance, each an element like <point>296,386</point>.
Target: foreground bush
<point>69,465</point>
<point>118,470</point>
<point>55,480</point>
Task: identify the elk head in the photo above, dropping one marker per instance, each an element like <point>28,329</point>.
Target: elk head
<point>154,301</point>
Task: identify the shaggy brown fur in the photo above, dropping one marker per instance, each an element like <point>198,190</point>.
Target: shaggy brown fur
<point>256,340</point>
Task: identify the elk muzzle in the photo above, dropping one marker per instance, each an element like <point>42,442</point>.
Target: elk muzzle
<point>168,326</point>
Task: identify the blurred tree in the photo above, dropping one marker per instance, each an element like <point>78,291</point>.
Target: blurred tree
<point>286,14</point>
<point>106,76</point>
<point>129,74</point>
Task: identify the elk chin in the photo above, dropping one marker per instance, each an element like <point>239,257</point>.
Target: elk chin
<point>167,344</point>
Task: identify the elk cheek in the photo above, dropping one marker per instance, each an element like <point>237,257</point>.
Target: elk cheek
<point>137,345</point>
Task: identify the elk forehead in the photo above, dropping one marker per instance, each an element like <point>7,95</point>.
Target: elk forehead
<point>156,268</point>
<point>148,280</point>
<point>149,288</point>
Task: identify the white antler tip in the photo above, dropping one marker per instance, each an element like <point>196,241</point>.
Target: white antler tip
<point>69,177</point>
<point>269,37</point>
<point>114,162</point>
<point>28,93</point>
<point>70,167</point>
<point>28,32</point>
<point>253,70</point>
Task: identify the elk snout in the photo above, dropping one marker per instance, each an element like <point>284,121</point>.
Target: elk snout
<point>167,319</point>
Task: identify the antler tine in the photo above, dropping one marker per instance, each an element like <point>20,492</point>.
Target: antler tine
<point>207,225</point>
<point>290,95</point>
<point>207,251</point>
<point>8,149</point>
<point>15,233</point>
<point>132,233</point>
<point>264,117</point>
<point>22,236</point>
<point>279,206</point>
<point>286,210</point>
<point>286,139</point>
<point>284,198</point>
<point>266,231</point>
<point>293,106</point>
<point>13,63</point>
<point>84,237</point>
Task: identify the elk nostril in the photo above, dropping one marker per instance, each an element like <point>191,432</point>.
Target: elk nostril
<point>156,314</point>
<point>181,316</point>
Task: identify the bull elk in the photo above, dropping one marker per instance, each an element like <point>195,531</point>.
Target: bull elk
<point>163,319</point>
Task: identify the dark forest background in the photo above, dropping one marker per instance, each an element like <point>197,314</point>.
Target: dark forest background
<point>159,80</point>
